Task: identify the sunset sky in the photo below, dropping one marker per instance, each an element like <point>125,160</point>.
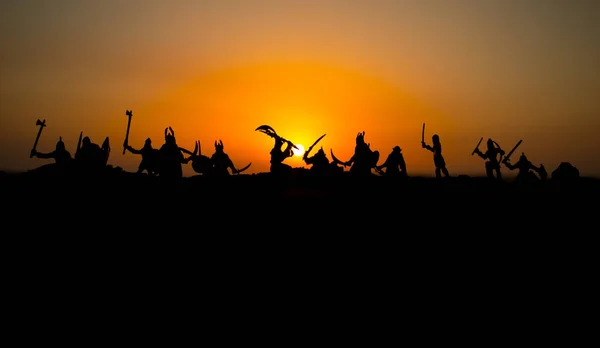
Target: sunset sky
<point>500,69</point>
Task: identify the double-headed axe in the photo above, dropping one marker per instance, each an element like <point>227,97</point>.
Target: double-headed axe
<point>42,124</point>
<point>129,114</point>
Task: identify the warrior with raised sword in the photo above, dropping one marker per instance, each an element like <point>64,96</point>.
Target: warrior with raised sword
<point>491,155</point>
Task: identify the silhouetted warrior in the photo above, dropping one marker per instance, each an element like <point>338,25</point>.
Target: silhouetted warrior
<point>527,171</point>
<point>321,165</point>
<point>90,156</point>
<point>149,161</point>
<point>61,156</point>
<point>221,163</point>
<point>491,155</point>
<point>438,159</point>
<point>170,157</point>
<point>278,156</point>
<point>364,159</point>
<point>394,164</point>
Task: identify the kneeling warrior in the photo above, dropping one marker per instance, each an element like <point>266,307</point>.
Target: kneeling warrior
<point>394,164</point>
<point>527,171</point>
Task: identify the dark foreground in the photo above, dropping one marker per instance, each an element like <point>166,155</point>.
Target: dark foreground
<point>459,236</point>
<point>117,194</point>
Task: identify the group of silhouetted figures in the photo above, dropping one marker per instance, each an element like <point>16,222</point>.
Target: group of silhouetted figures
<point>167,161</point>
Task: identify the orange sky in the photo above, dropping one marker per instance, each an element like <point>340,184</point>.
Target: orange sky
<point>218,69</point>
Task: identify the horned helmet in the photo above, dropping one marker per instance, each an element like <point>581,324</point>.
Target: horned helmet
<point>219,146</point>
<point>360,138</point>
<point>169,136</point>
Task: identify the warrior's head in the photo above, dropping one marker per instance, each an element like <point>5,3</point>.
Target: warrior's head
<point>396,149</point>
<point>435,139</point>
<point>490,144</point>
<point>148,143</point>
<point>321,153</point>
<point>219,146</point>
<point>170,136</point>
<point>86,141</point>
<point>60,146</point>
<point>523,157</point>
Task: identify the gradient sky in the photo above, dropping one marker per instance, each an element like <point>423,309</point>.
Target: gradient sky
<point>504,69</point>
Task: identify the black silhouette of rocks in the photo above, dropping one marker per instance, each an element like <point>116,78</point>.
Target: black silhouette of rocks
<point>565,171</point>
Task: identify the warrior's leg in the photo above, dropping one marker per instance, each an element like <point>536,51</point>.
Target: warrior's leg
<point>489,169</point>
<point>445,170</point>
<point>438,172</point>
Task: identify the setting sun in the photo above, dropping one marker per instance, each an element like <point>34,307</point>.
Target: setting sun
<point>299,151</point>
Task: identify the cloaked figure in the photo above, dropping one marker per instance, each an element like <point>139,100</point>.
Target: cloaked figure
<point>438,158</point>
<point>527,171</point>
<point>491,155</point>
<point>170,157</point>
<point>91,156</point>
<point>62,157</point>
<point>149,161</point>
<point>394,164</point>
<point>320,164</point>
<point>364,159</point>
<point>278,156</point>
<point>221,163</point>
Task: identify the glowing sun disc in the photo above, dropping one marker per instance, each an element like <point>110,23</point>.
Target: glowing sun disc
<point>298,152</point>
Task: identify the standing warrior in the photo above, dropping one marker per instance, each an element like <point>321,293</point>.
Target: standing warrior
<point>61,156</point>
<point>438,159</point>
<point>170,157</point>
<point>526,169</point>
<point>394,164</point>
<point>493,161</point>
<point>363,160</point>
<point>90,155</point>
<point>149,161</point>
<point>221,163</point>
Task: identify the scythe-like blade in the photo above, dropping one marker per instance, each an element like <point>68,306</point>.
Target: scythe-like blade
<point>244,168</point>
<point>313,145</point>
<point>186,151</point>
<point>266,129</point>
<point>335,159</point>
